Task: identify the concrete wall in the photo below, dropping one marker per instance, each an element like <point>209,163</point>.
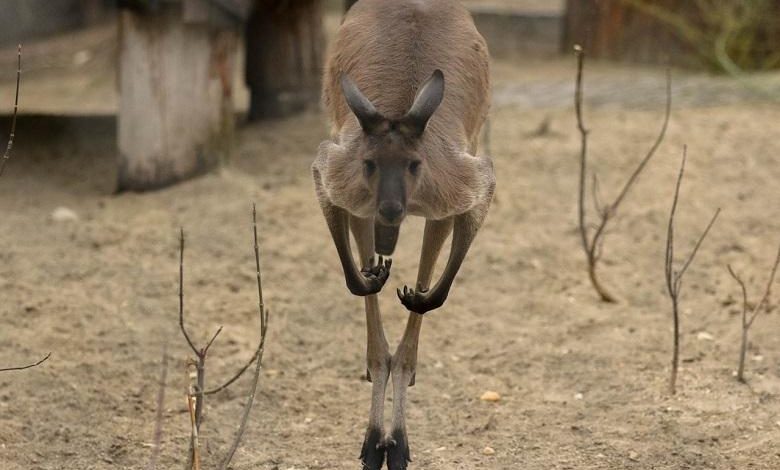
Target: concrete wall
<point>517,34</point>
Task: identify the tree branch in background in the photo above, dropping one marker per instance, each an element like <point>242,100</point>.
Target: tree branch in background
<point>593,240</point>
<point>749,315</point>
<point>10,145</point>
<point>674,278</point>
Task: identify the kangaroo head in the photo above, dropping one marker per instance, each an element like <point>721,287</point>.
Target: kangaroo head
<point>389,148</point>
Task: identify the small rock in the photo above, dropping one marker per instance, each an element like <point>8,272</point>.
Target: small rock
<point>307,420</point>
<point>63,214</point>
<point>758,358</point>
<point>440,449</point>
<point>578,396</point>
<point>704,336</point>
<point>490,396</point>
<point>633,456</point>
<point>488,451</point>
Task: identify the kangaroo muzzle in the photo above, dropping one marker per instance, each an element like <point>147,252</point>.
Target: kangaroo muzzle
<point>385,238</point>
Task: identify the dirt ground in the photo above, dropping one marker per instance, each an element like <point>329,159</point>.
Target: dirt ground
<point>582,384</point>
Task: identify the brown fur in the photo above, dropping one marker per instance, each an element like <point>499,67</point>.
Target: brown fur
<point>389,48</point>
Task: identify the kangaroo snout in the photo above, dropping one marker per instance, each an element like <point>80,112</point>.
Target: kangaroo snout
<point>391,212</point>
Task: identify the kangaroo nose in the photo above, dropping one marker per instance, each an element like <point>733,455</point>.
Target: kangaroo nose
<point>391,211</point>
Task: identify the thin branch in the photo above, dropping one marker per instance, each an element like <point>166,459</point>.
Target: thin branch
<point>744,294</point>
<point>747,323</point>
<point>181,293</point>
<point>29,366</point>
<point>651,152</point>
<point>10,145</point>
<point>698,244</point>
<point>205,350</point>
<point>580,54</point>
<point>158,419</point>
<point>195,454</point>
<point>673,278</point>
<point>263,330</point>
<point>768,290</point>
<point>592,244</point>
<point>669,260</point>
<point>595,188</point>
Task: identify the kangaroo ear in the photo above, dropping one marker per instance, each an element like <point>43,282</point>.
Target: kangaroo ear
<point>426,103</point>
<point>368,117</point>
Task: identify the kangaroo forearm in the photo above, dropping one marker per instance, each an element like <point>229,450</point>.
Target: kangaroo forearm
<point>338,224</point>
<point>465,229</point>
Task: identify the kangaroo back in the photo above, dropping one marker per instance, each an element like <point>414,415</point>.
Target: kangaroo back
<point>390,47</point>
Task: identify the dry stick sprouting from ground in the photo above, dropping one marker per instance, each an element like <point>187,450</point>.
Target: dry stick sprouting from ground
<point>10,145</point>
<point>674,278</point>
<point>750,315</point>
<point>259,355</point>
<point>197,391</point>
<point>3,161</point>
<point>592,237</point>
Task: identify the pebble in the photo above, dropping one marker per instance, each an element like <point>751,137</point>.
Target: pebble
<point>578,396</point>
<point>704,336</point>
<point>63,214</point>
<point>633,455</point>
<point>488,451</point>
<point>490,396</point>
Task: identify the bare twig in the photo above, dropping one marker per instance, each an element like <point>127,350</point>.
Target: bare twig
<point>263,330</point>
<point>674,278</point>
<point>750,315</point>
<point>29,366</point>
<point>10,145</point>
<point>592,242</point>
<point>197,391</point>
<point>181,292</point>
<point>201,354</point>
<point>158,419</point>
<point>195,445</point>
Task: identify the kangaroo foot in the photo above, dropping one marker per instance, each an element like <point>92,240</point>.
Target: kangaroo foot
<point>372,455</point>
<point>398,456</point>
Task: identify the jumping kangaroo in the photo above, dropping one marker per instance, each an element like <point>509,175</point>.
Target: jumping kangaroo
<point>403,143</point>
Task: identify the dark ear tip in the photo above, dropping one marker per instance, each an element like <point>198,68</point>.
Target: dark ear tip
<point>438,74</point>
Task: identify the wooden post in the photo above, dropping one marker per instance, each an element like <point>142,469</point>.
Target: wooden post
<point>284,56</point>
<point>175,111</point>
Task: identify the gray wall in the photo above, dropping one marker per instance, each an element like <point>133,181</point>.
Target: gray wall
<point>21,20</point>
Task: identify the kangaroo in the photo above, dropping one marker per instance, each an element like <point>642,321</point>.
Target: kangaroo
<point>407,89</point>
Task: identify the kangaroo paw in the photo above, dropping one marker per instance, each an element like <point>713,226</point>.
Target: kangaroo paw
<point>372,455</point>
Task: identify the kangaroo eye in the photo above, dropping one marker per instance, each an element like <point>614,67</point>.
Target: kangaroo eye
<point>414,166</point>
<point>369,167</point>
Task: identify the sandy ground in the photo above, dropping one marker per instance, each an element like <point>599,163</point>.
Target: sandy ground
<point>582,383</point>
